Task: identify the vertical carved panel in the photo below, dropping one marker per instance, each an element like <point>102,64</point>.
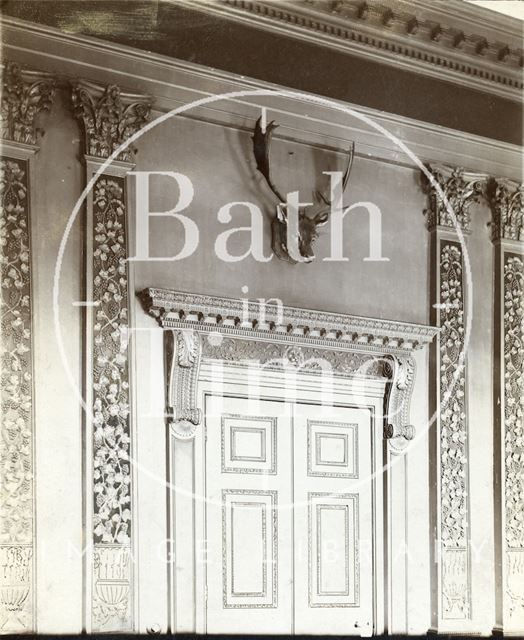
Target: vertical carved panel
<point>449,213</point>
<point>454,512</point>
<point>109,117</point>
<point>507,206</point>
<point>16,451</point>
<point>24,95</point>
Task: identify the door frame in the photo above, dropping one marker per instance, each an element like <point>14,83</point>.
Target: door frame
<point>367,351</point>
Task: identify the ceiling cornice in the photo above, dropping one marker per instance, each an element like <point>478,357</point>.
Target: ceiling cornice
<point>451,40</point>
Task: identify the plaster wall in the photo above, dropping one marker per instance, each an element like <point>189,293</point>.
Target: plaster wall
<point>217,158</point>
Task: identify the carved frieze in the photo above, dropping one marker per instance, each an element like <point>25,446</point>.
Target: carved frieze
<point>16,399</point>
<point>109,117</point>
<point>506,199</point>
<point>25,94</point>
<point>460,188</point>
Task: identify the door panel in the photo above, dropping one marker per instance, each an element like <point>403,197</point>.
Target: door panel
<point>333,520</point>
<point>249,516</point>
<point>288,518</point>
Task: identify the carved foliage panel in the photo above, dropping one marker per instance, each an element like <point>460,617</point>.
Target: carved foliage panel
<point>111,428</point>
<point>454,515</point>
<point>513,375</point>
<point>16,456</point>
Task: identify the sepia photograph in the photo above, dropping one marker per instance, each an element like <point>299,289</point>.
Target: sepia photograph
<point>262,318</point>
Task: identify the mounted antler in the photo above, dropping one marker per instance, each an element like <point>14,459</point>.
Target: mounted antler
<point>307,224</point>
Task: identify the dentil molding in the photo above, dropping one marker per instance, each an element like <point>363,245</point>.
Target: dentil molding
<point>286,338</point>
<point>457,43</point>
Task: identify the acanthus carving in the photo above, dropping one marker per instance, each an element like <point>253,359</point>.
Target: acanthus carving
<point>461,190</point>
<point>24,95</point>
<point>506,199</point>
<point>183,353</point>
<point>109,117</point>
<point>111,437</point>
<point>282,356</point>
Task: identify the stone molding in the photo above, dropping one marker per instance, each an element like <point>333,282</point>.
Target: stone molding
<point>25,94</point>
<point>109,117</point>
<point>289,324</point>
<point>249,334</point>
<point>416,35</point>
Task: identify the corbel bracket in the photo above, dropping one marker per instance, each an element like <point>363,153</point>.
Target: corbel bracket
<point>400,372</point>
<point>183,351</point>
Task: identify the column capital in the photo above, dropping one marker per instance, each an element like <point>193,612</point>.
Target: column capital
<point>461,188</point>
<point>24,95</point>
<point>109,117</point>
<point>506,199</point>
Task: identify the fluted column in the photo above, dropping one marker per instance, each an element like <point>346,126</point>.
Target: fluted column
<point>506,200</point>
<point>108,118</point>
<point>449,468</point>
<point>25,94</point>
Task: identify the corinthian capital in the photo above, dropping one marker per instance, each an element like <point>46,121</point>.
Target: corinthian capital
<point>109,117</point>
<point>460,188</point>
<point>506,199</point>
<point>24,95</point>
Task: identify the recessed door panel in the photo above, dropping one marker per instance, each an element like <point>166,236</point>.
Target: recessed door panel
<point>288,518</point>
<point>333,520</point>
<point>249,516</point>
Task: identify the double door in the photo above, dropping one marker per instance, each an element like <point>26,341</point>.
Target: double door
<point>288,518</point>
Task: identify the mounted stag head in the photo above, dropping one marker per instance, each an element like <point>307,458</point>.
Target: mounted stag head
<point>308,223</point>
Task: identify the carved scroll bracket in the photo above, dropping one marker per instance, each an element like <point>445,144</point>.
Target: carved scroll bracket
<point>304,340</point>
<point>183,351</point>
<point>401,374</point>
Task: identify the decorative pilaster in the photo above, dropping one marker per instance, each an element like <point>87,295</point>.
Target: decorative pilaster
<point>448,396</point>
<point>507,232</point>
<point>108,117</point>
<point>24,95</point>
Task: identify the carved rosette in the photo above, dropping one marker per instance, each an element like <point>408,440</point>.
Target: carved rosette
<point>16,400</point>
<point>460,189</point>
<point>507,206</point>
<point>24,95</point>
<point>109,118</point>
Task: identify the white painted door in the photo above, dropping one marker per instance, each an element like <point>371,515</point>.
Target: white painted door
<point>288,518</point>
<point>249,516</point>
<point>333,571</point>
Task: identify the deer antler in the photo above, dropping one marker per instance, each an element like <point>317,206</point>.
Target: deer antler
<point>351,154</point>
<point>261,147</point>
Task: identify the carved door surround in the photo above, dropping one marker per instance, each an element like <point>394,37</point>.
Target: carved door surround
<point>205,335</point>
